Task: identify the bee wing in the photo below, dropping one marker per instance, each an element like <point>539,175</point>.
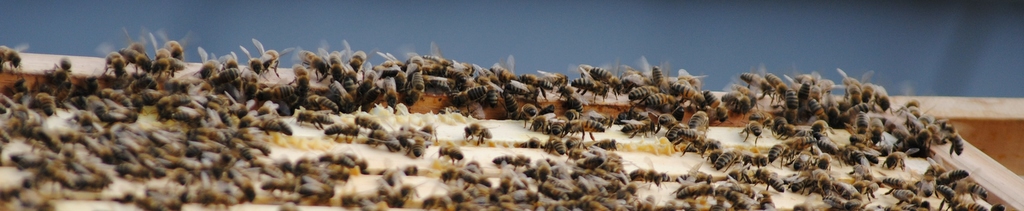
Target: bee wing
<point>392,57</point>
<point>482,71</point>
<point>153,38</point>
<point>104,48</point>
<point>337,87</point>
<point>367,67</point>
<point>346,53</point>
<point>510,64</point>
<point>246,51</point>
<point>435,51</point>
<point>879,89</point>
<point>188,110</point>
<point>435,78</point>
<point>388,84</point>
<point>583,69</point>
<point>867,76</point>
<point>271,105</point>
<point>632,122</point>
<point>594,115</point>
<point>546,74</point>
<point>644,65</point>
<point>913,150</point>
<point>496,87</point>
<point>519,85</point>
<point>387,56</point>
<point>202,54</point>
<point>842,73</point>
<point>259,46</point>
<point>791,81</point>
<point>635,78</point>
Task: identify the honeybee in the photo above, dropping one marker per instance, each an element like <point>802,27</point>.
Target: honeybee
<point>555,146</point>
<point>557,126</point>
<point>584,126</point>
<point>275,125</point>
<point>591,162</point>
<point>532,143</point>
<point>896,159</point>
<point>753,128</point>
<point>478,131</point>
<point>115,62</point>
<point>699,121</point>
<point>516,161</point>
<point>665,120</point>
<point>527,111</point>
<point>451,151</point>
<point>45,102</point>
<point>725,159</point>
<point>951,176</point>
<point>606,144</point>
<point>633,127</point>
<point>316,118</point>
<point>693,191</point>
<point>956,144</point>
<point>11,55</point>
<point>368,122</point>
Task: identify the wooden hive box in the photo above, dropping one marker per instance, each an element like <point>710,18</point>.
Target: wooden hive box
<point>990,124</point>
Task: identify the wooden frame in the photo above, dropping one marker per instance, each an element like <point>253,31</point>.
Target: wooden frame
<point>989,123</point>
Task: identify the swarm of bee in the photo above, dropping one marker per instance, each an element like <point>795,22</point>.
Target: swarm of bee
<point>212,134</point>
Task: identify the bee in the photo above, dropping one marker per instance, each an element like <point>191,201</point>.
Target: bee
<point>641,93</point>
<point>438,83</point>
<point>452,152</point>
<point>554,146</point>
<point>591,162</point>
<point>574,143</point>
<point>368,122</point>
<point>417,147</point>
<point>117,63</point>
<point>753,128</point>
<point>659,100</point>
<point>687,92</point>
<point>633,127</point>
<point>969,206</point>
<point>904,195</point>
<point>533,143</point>
<point>606,144</point>
<point>665,120</point>
<point>584,126</point>
<point>572,114</point>
<point>956,144</point>
<point>699,121</point>
<point>316,118</point>
<point>516,161</point>
<point>46,103</point>
<point>951,176</point>
<point>694,191</point>
<point>724,160</point>
<point>275,125</point>
<point>478,131</point>
<point>527,111</point>
<point>679,133</point>
<point>896,159</point>
<point>776,152</point>
<point>557,126</point>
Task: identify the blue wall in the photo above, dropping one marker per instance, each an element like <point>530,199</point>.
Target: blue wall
<point>959,48</point>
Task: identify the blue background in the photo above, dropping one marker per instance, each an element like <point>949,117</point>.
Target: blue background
<point>956,48</point>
